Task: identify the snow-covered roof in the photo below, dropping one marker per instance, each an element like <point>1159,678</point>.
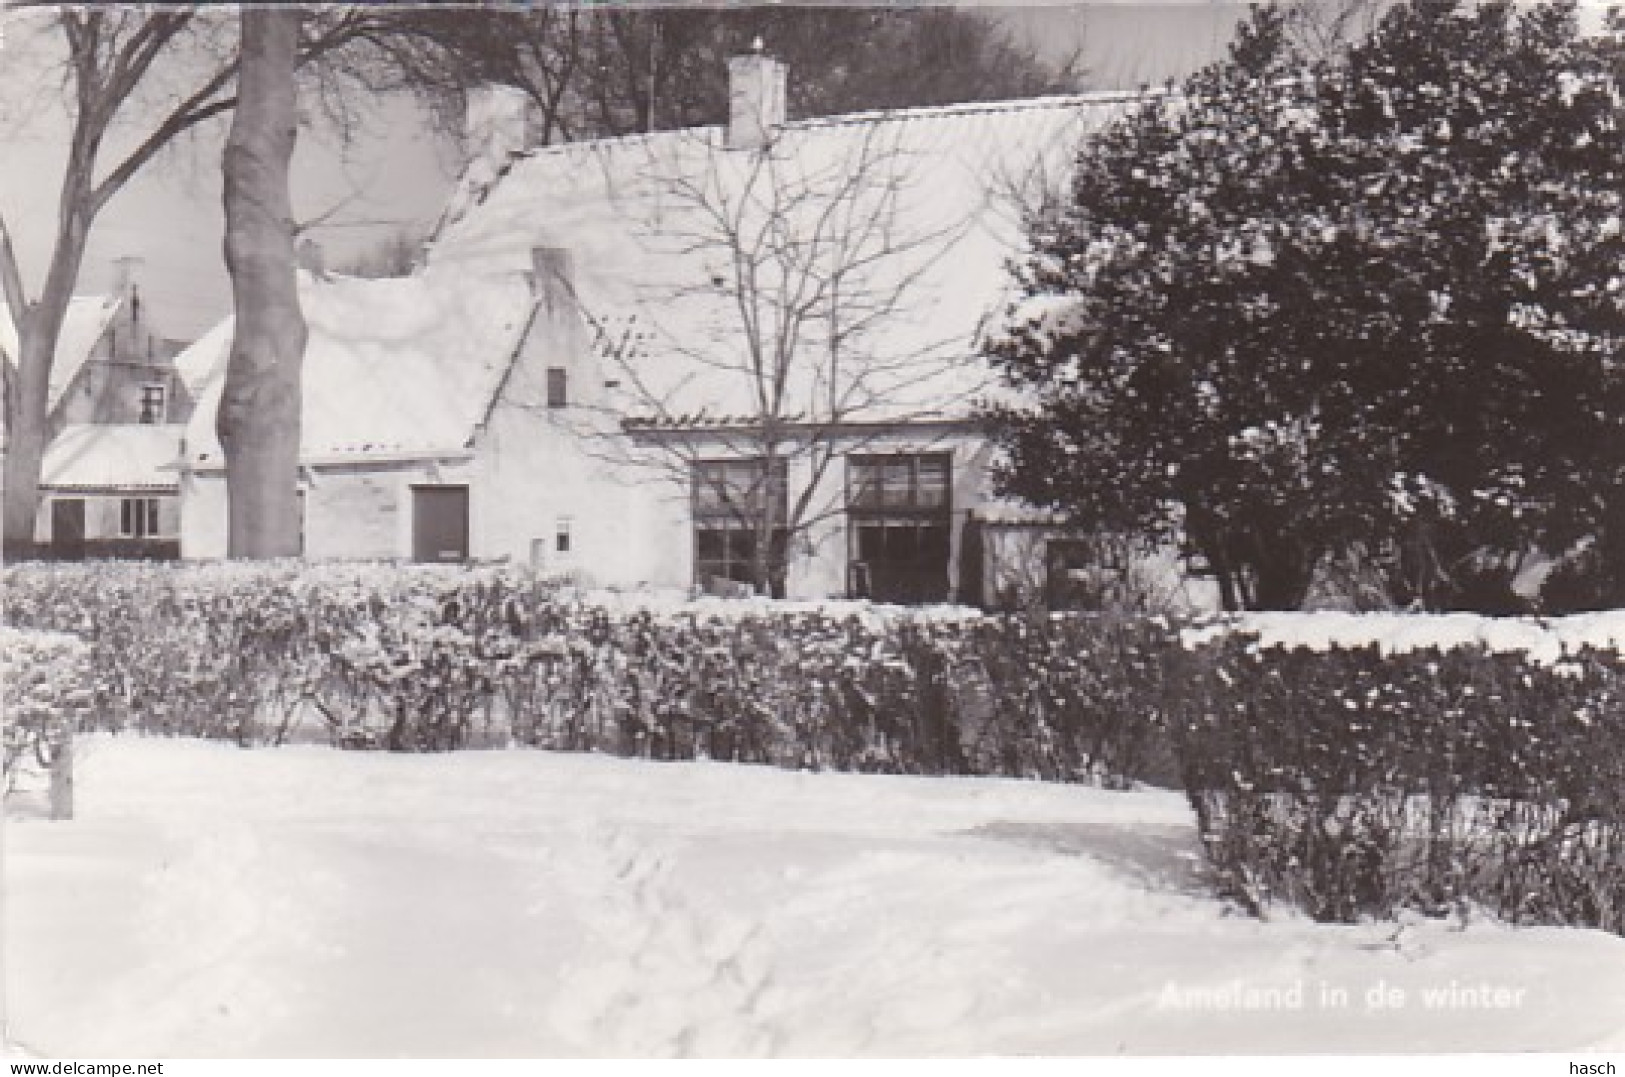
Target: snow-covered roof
<point>121,456</point>
<point>83,325</point>
<point>925,205</point>
<point>393,367</point>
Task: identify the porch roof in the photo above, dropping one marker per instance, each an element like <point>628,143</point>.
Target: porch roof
<point>138,458</point>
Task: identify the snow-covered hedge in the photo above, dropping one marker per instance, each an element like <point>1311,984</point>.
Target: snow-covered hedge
<point>415,660</point>
<point>243,651</point>
<point>46,694</point>
<point>1064,699</point>
<point>1483,764</point>
<point>1348,765</point>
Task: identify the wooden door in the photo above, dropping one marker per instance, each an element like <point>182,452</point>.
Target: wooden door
<point>68,528</point>
<point>439,523</point>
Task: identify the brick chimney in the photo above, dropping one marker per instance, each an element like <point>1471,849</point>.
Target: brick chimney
<point>494,125</point>
<point>755,100</point>
<point>557,331</point>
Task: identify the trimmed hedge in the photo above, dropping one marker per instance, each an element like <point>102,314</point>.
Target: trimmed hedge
<point>1346,782</point>
<point>1350,783</point>
<point>243,651</point>
<point>905,694</point>
<point>430,659</point>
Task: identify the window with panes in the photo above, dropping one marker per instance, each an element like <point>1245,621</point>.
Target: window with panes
<point>899,518</point>
<point>154,397</point>
<point>729,500</point>
<point>138,517</point>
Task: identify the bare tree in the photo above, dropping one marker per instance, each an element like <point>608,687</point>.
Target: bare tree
<point>592,72</point>
<point>109,53</point>
<point>1324,29</point>
<point>259,417</point>
<point>769,346</point>
<point>178,68</point>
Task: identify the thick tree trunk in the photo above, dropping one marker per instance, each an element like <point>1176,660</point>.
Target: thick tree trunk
<point>38,328</point>
<point>259,417</point>
<point>26,408</point>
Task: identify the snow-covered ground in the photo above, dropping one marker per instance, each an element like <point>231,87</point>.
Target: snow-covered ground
<point>303,901</point>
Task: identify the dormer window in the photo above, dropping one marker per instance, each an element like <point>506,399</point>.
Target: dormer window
<point>154,398</point>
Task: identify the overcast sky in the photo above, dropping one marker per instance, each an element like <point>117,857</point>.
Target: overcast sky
<point>396,174</point>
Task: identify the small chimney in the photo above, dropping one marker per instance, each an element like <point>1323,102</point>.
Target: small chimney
<point>495,122</point>
<point>755,100</point>
<point>557,328</point>
<point>127,274</point>
<point>552,277</point>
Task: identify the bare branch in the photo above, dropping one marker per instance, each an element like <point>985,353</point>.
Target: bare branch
<point>139,50</point>
<point>203,103</point>
<point>11,277</point>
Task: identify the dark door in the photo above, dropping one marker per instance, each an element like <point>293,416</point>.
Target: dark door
<point>906,559</point>
<point>439,523</point>
<point>68,528</point>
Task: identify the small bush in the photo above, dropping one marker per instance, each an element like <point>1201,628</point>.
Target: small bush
<point>47,695</point>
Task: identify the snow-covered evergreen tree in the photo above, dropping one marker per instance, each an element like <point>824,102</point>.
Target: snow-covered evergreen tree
<point>1365,307</point>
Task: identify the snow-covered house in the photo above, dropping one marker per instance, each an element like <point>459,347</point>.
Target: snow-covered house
<point>110,490</point>
<point>831,278</point>
<point>114,408</point>
<point>615,345</point>
<point>426,429</point>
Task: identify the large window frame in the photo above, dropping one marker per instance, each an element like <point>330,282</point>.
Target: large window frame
<point>728,498</point>
<point>899,524</point>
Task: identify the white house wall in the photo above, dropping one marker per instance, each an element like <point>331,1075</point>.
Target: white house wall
<point>541,466</point>
<point>355,514</point>
<point>360,511</point>
<point>532,477</point>
<point>364,511</point>
<point>103,514</point>
<point>203,517</point>
<point>818,556</point>
<point>663,526</point>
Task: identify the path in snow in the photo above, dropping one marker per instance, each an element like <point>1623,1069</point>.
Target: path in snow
<point>214,902</point>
